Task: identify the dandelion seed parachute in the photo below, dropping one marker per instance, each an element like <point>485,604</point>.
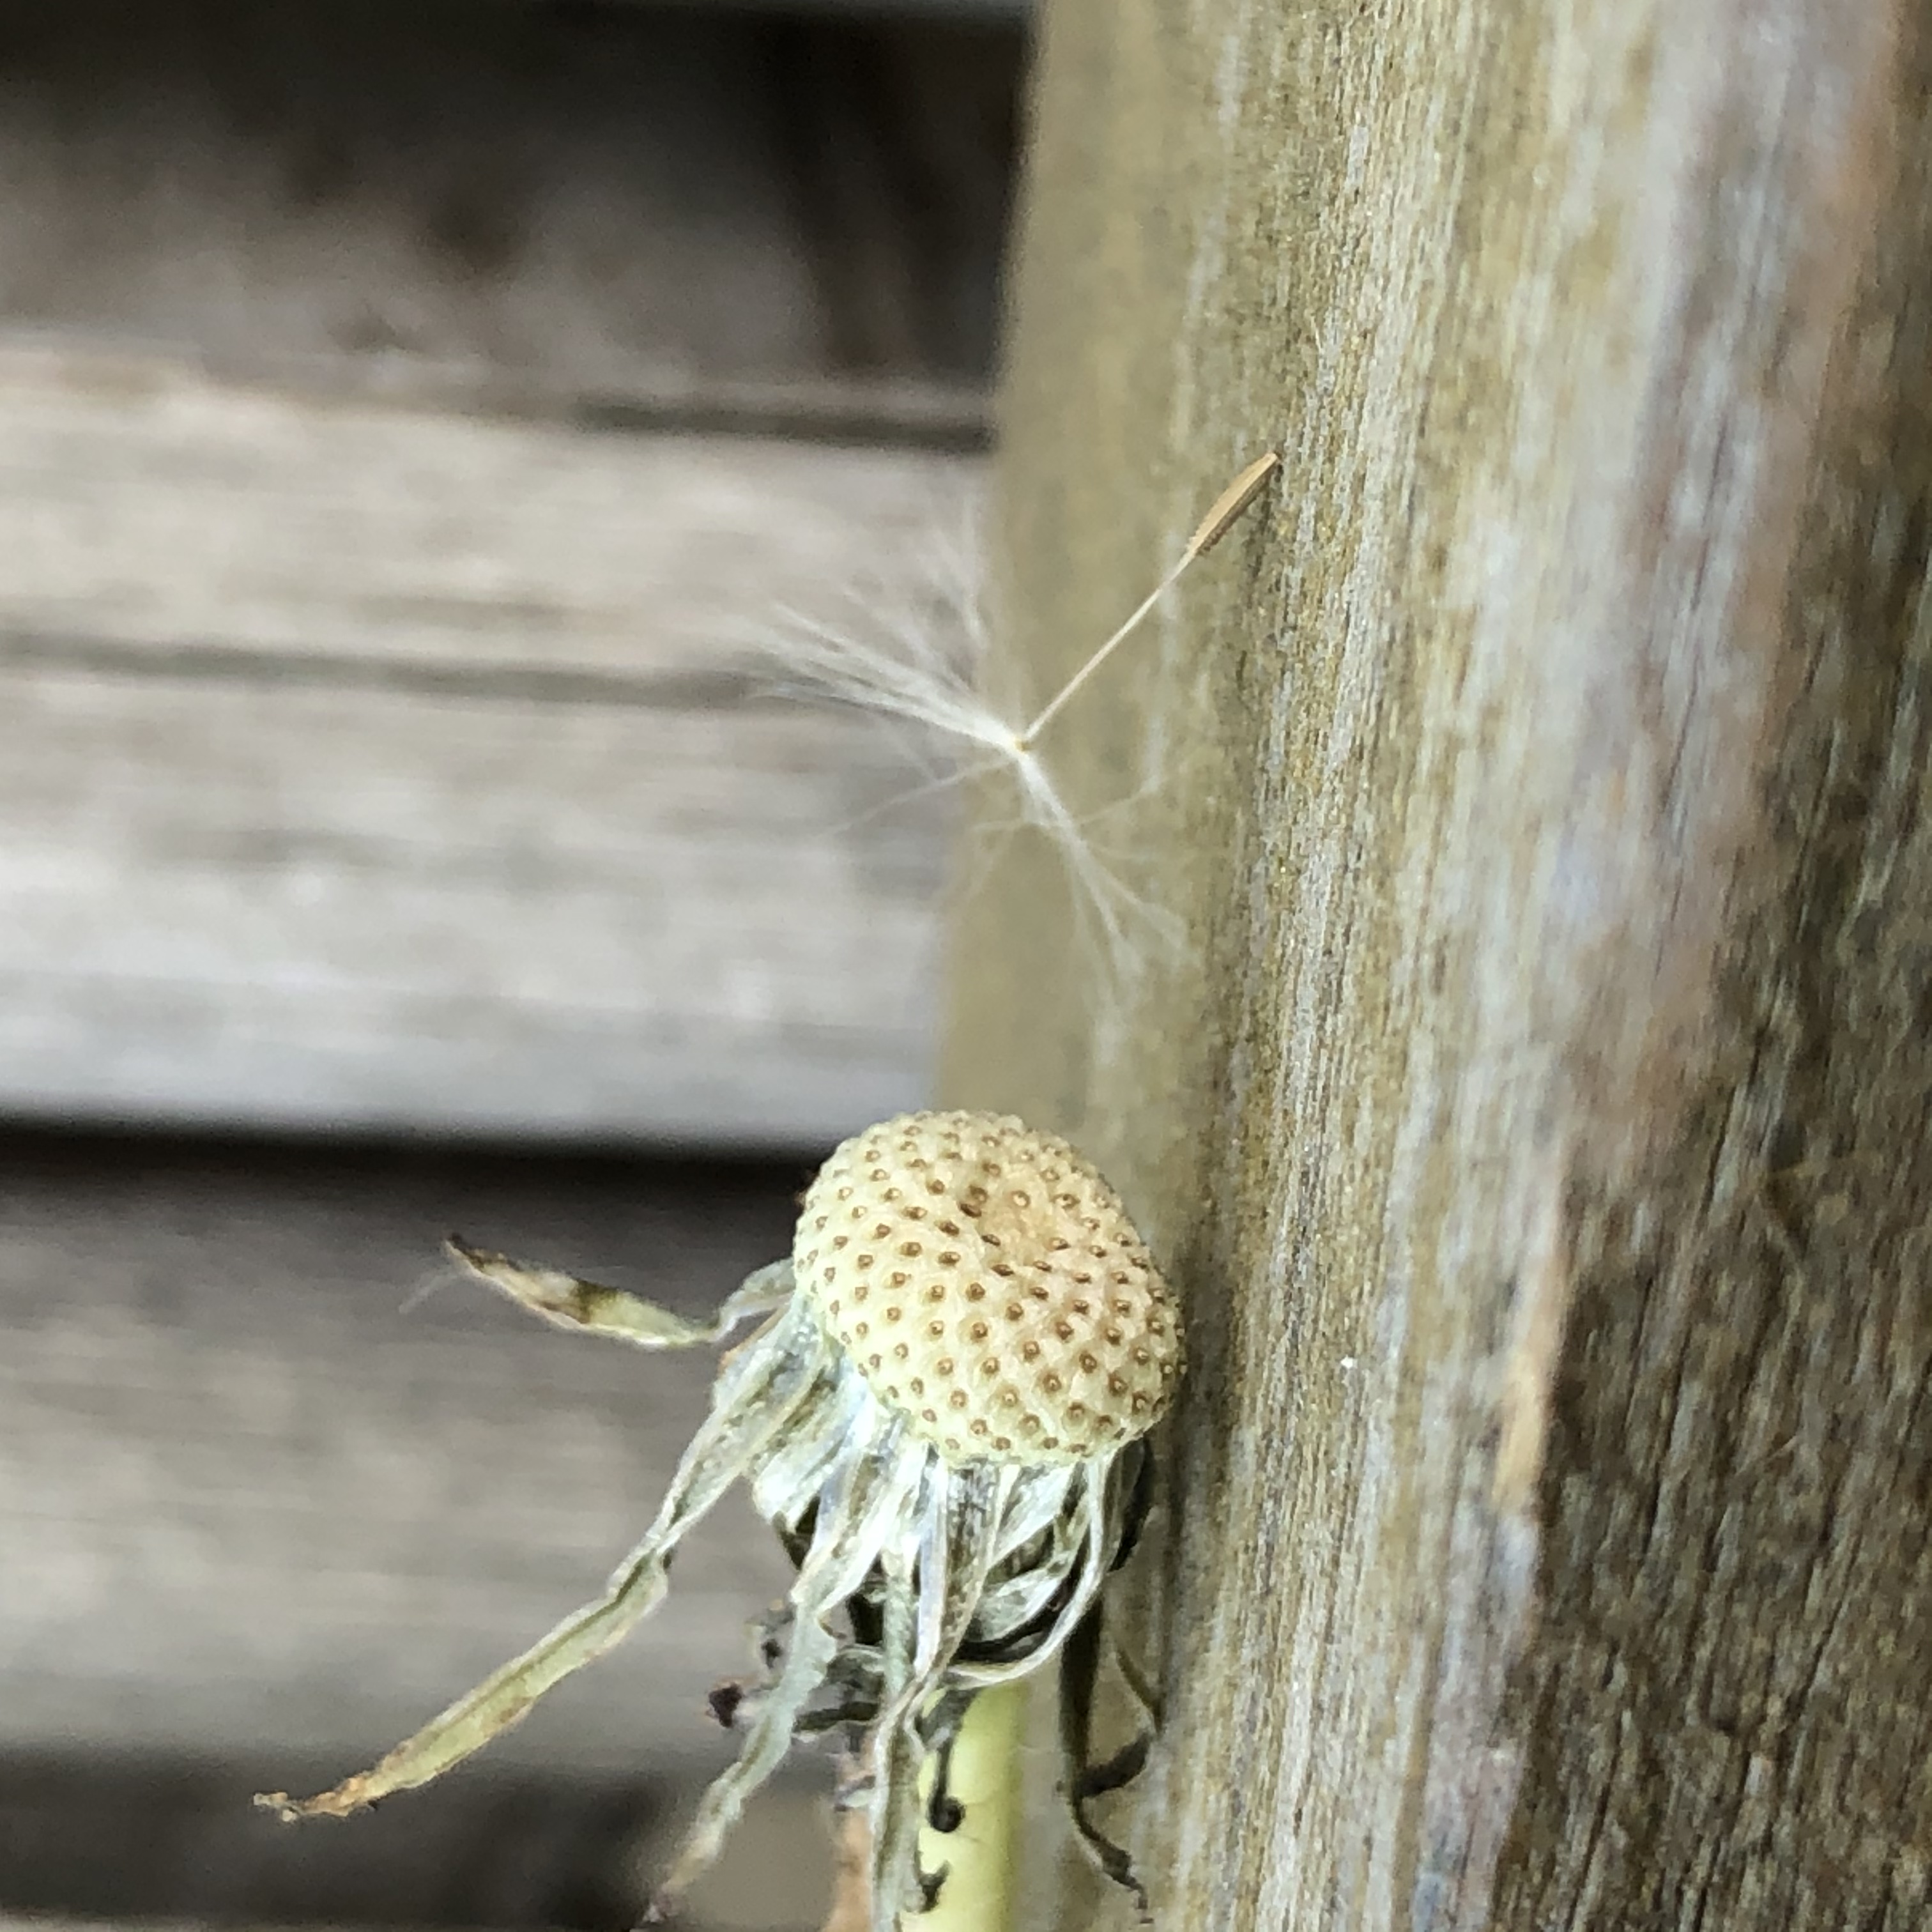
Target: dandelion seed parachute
<point>942,1417</point>
<point>899,666</point>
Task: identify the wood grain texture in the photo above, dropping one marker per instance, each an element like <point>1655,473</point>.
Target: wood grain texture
<point>391,558</point>
<point>362,765</point>
<point>1535,1116</point>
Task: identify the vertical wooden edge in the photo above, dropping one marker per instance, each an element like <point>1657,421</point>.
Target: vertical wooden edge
<point>1396,1239</point>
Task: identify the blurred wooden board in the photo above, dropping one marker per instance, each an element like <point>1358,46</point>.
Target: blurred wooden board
<point>591,201</point>
<point>86,1845</point>
<point>101,1842</point>
<point>256,1522</point>
<point>366,765</point>
<point>252,1512</point>
<point>382,743</point>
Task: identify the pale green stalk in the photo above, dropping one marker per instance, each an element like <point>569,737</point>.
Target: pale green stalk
<point>980,1857</point>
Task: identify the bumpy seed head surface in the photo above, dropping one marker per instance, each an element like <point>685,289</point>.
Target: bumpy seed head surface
<point>988,1284</point>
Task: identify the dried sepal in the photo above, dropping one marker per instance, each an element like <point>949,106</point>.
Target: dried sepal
<point>569,1301</point>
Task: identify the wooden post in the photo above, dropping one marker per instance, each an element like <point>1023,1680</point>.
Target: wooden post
<point>1535,1115</point>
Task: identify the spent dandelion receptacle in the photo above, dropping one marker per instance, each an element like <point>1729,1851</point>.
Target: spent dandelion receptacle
<point>943,1415</point>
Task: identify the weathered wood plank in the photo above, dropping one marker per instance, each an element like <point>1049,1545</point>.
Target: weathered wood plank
<point>250,1509</point>
<point>590,201</point>
<point>365,765</point>
<point>279,612</point>
<point>144,503</point>
<point>90,1843</point>
<point>1537,1121</point>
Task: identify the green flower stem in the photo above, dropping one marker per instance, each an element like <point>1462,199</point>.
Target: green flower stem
<point>979,1856</point>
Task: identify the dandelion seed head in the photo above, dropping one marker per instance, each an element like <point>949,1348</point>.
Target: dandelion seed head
<point>1031,1311</point>
<point>942,1415</point>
